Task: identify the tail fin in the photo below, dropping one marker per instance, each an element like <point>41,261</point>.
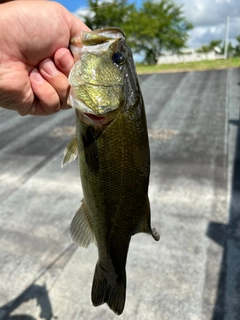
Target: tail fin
<point>109,288</point>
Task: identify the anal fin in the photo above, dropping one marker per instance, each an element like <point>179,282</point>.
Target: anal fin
<point>155,234</point>
<point>146,228</point>
<point>144,224</point>
<point>81,230</point>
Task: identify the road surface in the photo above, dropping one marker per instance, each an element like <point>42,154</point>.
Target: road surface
<point>193,273</point>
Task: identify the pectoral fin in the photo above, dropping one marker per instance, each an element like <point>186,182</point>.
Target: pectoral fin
<point>71,152</point>
<point>81,230</point>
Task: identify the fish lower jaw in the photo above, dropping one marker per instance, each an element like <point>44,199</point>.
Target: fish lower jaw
<point>85,111</point>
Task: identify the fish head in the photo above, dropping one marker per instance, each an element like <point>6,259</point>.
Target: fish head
<point>99,76</point>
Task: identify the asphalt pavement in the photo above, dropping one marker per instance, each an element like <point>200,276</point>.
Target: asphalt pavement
<point>192,273</point>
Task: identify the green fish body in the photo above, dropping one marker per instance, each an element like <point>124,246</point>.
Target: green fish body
<point>112,145</point>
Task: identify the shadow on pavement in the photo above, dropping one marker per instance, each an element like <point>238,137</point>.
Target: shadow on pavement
<point>37,292</point>
<point>218,233</point>
<point>229,236</point>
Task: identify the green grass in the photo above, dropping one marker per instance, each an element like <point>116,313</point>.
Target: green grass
<point>189,66</point>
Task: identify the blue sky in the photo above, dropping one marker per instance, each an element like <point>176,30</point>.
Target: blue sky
<point>73,5</point>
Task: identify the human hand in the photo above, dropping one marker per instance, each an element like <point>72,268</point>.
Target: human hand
<point>34,56</point>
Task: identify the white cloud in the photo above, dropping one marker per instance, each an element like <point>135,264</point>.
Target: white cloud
<point>82,11</point>
<point>209,18</point>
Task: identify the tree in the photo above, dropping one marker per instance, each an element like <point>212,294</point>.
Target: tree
<point>237,48</point>
<point>113,13</point>
<point>159,26</point>
<point>211,46</point>
<point>150,29</point>
<point>231,50</point>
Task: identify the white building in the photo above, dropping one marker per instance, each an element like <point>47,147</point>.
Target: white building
<point>188,55</point>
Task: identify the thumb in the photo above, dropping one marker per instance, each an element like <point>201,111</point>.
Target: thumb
<point>75,25</point>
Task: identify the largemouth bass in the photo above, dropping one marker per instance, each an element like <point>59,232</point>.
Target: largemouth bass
<point>112,145</point>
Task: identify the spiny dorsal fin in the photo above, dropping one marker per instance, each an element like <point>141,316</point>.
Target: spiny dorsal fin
<point>81,230</point>
<point>71,152</point>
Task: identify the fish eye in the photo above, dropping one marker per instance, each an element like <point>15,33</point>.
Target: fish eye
<point>118,58</point>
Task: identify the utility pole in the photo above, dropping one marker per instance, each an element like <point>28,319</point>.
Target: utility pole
<point>226,38</point>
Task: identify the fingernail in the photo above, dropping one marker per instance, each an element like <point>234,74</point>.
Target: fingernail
<point>36,76</point>
<point>49,67</point>
<point>66,60</point>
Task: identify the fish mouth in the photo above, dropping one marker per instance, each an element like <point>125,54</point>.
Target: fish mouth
<point>95,120</point>
<point>102,118</point>
<point>94,117</point>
